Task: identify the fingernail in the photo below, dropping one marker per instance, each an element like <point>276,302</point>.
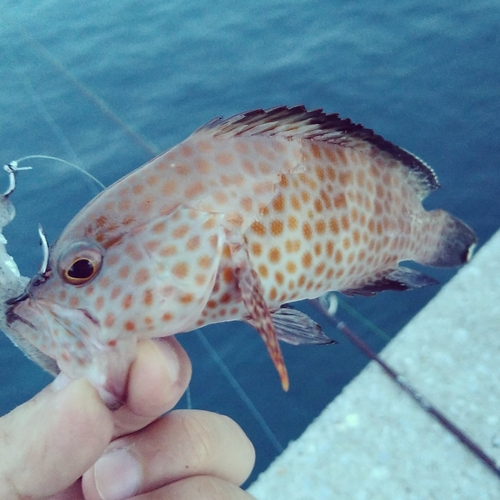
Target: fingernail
<point>172,361</point>
<point>117,475</point>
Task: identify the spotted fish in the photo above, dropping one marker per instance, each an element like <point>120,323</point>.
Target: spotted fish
<point>247,214</point>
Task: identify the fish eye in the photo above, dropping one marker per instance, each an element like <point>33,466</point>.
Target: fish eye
<point>81,271</point>
<point>80,264</point>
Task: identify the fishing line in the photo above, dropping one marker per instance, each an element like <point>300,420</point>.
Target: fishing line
<point>42,109</point>
<point>138,138</point>
<point>396,377</point>
<point>80,169</point>
<point>239,390</point>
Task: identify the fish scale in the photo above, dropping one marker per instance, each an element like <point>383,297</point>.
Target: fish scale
<point>247,214</point>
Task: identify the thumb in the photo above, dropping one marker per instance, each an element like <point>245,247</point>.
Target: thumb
<point>47,443</point>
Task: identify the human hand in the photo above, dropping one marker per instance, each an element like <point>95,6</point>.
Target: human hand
<point>50,442</point>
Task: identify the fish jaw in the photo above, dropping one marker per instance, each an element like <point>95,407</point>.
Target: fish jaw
<point>72,338</point>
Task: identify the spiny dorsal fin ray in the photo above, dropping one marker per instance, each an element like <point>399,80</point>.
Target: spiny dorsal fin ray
<point>317,125</point>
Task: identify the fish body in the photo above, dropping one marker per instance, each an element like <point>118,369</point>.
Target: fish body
<point>247,214</point>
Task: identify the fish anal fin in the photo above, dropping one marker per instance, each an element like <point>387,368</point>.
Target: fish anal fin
<point>260,317</point>
<point>399,279</point>
<point>295,327</point>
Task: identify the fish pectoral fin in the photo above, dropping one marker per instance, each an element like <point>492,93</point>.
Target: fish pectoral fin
<point>399,279</point>
<point>297,328</point>
<point>260,317</point>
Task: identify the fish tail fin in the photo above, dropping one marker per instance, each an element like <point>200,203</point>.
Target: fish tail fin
<point>447,241</point>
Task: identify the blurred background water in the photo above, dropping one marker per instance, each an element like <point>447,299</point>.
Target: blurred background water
<point>425,75</point>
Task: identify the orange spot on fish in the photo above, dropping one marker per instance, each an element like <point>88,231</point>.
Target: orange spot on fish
<point>159,228</point>
<point>151,245</point>
<point>169,187</point>
<point>167,316</point>
<point>356,237</point>
<point>180,270</point>
<point>307,259</point>
<point>279,203</point>
<point>291,267</point>
<point>226,251</point>
<point>329,248</point>
<point>344,221</point>
<point>127,301</point>
<point>341,157</point>
<point>147,298</point>
<point>168,251</point>
<point>152,180</point>
<point>305,196</point>
<point>295,202</point>
<point>187,298</point>
<point>279,277</point>
<point>320,226</point>
<point>242,148</point>
<point>124,272</point>
<point>340,201</point>
<point>274,255</point>
<point>283,181</point>
<point>209,223</point>
<point>141,276</point>
<point>99,302</point>
<point>202,166</point>
<point>273,293</point>
<point>292,223</point>
<point>74,301</point>
<point>256,249</point>
<point>186,150</point>
<point>112,343</point>
<point>227,275</point>
<point>132,251</point>
<point>205,261</point>
<point>224,159</point>
<point>182,169</point>
<point>146,205</point>
<point>129,326</point>
<point>315,150</point>
<point>258,228</point>
<point>200,279</point>
<point>248,167</point>
<point>334,225</point>
<point>193,243</point>
<point>246,203</point>
<point>276,227</point>
<point>205,146</point>
<point>220,197</point>
<point>138,189</point>
<point>345,178</point>
<point>338,257</point>
<point>263,271</point>
<point>180,231</point>
<point>307,230</point>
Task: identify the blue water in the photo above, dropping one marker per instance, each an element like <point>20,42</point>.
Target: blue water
<point>423,74</point>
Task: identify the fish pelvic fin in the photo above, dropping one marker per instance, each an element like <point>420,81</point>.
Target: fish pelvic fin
<point>454,244</point>
<point>259,315</point>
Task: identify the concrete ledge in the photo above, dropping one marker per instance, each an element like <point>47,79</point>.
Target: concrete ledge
<point>373,442</point>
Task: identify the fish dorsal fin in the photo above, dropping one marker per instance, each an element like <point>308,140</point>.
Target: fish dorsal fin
<point>316,125</point>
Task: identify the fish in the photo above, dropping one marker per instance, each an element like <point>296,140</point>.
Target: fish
<point>245,216</point>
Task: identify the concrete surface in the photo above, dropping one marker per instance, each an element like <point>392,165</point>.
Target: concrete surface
<point>373,442</point>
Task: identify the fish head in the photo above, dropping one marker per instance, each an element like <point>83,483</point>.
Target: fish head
<point>96,299</point>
